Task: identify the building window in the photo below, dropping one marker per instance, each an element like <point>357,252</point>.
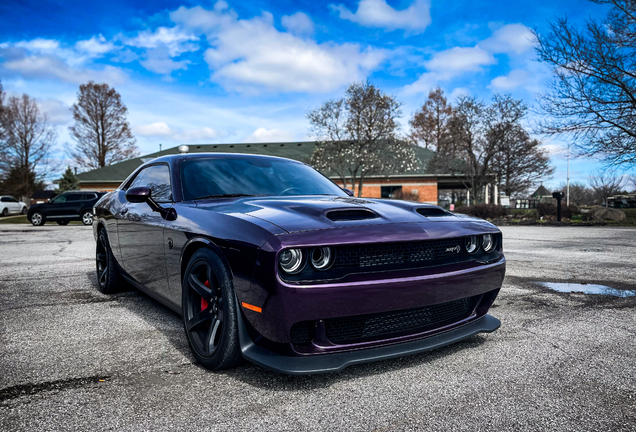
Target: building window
<point>388,191</point>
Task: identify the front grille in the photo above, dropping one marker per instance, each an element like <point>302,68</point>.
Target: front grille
<point>359,328</point>
<point>301,332</point>
<point>396,253</point>
<point>350,215</point>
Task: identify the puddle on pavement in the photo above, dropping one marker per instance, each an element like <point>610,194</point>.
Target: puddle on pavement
<point>587,289</point>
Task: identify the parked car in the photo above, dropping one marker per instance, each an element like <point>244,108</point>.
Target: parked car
<point>267,259</point>
<point>9,205</point>
<point>66,207</point>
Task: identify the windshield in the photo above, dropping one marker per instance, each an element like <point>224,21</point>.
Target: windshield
<point>218,177</point>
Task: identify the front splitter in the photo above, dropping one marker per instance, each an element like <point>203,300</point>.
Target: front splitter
<point>326,363</point>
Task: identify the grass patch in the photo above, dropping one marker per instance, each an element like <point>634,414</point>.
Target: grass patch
<point>630,214</point>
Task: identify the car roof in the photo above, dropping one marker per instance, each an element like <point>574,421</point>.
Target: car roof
<point>211,155</point>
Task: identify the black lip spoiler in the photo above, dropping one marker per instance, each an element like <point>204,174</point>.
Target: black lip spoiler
<point>326,363</point>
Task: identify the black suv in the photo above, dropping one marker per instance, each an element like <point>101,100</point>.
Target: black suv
<point>66,207</point>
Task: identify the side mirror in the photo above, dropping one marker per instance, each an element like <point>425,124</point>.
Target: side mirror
<point>138,194</point>
<point>348,191</point>
<point>142,194</point>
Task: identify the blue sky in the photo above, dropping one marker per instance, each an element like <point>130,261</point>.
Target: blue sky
<point>232,71</point>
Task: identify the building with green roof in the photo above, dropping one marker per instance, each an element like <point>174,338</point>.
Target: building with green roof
<point>419,183</point>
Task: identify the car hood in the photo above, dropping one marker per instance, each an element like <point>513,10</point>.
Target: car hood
<point>306,213</point>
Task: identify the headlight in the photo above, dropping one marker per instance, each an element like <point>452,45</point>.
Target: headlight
<point>488,243</point>
<point>321,258</point>
<point>291,260</point>
<point>472,244</point>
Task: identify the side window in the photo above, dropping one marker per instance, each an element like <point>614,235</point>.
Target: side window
<point>60,199</point>
<point>74,197</point>
<point>11,199</point>
<point>157,178</point>
<point>89,196</point>
<point>139,180</point>
<point>4,199</point>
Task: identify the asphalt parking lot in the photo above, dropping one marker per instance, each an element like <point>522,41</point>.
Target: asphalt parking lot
<point>74,359</point>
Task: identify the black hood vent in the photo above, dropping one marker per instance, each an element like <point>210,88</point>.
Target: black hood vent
<point>350,215</point>
<point>433,212</point>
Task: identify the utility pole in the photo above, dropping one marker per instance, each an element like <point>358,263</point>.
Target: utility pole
<point>567,194</point>
<point>160,147</point>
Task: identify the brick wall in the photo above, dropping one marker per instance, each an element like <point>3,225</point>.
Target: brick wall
<point>426,188</point>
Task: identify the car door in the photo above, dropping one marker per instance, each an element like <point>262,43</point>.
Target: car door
<point>5,203</point>
<point>140,231</point>
<point>57,207</point>
<point>14,205</point>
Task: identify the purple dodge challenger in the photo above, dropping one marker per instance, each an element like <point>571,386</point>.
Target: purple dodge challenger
<point>267,259</point>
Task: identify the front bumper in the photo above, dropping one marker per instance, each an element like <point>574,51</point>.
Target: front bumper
<point>316,364</point>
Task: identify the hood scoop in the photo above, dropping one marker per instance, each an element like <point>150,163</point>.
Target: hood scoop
<point>433,212</point>
<point>350,215</point>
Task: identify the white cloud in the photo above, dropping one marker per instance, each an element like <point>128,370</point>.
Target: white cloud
<point>96,46</point>
<point>175,40</point>
<point>251,55</point>
<point>377,13</point>
<point>515,40</point>
<point>197,136</point>
<point>158,60</point>
<point>514,79</point>
<point>192,136</point>
<point>39,45</point>
<point>460,60</point>
<point>449,64</point>
<point>153,129</point>
<point>270,135</point>
<point>51,67</point>
<point>57,112</point>
<point>511,38</point>
<point>299,24</point>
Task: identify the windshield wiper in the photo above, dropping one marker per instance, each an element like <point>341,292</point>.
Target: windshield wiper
<point>225,196</point>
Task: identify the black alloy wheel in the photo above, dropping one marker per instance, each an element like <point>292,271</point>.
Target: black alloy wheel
<point>108,278</point>
<point>209,312</point>
<point>37,218</point>
<point>62,222</point>
<point>87,217</point>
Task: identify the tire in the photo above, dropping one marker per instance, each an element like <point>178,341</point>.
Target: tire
<point>24,210</point>
<point>210,312</point>
<point>62,222</point>
<point>37,218</point>
<point>87,217</point>
<point>109,279</point>
<point>5,212</point>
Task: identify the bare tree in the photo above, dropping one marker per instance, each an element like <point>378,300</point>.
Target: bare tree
<point>580,194</point>
<point>358,135</point>
<point>605,185</point>
<point>520,162</point>
<point>593,95</point>
<point>101,130</point>
<point>28,140</point>
<point>632,180</point>
<point>430,126</point>
<point>479,131</point>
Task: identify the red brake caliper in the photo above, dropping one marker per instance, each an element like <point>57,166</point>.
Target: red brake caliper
<point>204,302</point>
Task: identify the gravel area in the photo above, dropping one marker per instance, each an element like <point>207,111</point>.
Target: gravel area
<point>74,359</point>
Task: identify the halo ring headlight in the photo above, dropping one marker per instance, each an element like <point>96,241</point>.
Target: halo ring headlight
<point>488,243</point>
<point>291,261</point>
<point>472,244</point>
<point>321,258</point>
